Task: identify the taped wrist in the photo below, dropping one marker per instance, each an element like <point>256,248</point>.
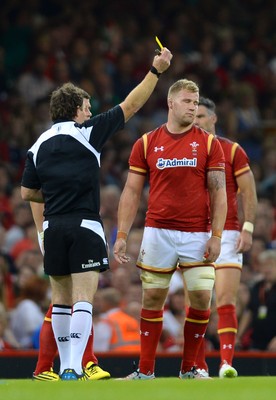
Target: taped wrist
<point>248,226</point>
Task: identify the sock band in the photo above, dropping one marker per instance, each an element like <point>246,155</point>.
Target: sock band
<point>152,315</point>
<point>59,309</point>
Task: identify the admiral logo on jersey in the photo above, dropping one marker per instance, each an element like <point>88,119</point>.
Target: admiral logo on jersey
<point>163,163</point>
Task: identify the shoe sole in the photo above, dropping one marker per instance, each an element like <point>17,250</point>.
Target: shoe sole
<point>229,374</point>
<point>128,379</point>
<point>97,376</point>
<point>71,375</point>
<point>104,378</point>
<point>200,377</point>
<point>45,379</point>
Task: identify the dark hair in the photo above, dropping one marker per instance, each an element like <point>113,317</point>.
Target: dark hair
<point>208,103</point>
<point>65,101</point>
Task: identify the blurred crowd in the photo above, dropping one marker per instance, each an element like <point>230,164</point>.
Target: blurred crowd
<point>106,48</point>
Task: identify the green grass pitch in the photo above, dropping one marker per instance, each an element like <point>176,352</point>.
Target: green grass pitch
<point>242,388</point>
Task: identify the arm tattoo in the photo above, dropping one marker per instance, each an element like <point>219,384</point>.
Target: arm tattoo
<point>216,180</point>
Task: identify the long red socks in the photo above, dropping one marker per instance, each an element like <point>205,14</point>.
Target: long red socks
<point>194,331</point>
<point>150,331</point>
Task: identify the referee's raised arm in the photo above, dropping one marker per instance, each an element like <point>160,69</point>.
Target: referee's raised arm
<point>141,93</point>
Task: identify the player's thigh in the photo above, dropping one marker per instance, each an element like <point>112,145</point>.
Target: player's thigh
<point>226,285</point>
<point>157,252</point>
<point>228,269</point>
<point>191,247</point>
<point>228,254</point>
<point>198,276</point>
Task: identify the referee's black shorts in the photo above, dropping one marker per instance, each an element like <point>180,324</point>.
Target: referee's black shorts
<point>74,245</point>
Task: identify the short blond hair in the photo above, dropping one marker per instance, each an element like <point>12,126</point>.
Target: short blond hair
<point>181,84</point>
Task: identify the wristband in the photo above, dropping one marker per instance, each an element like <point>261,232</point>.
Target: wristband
<point>218,237</point>
<point>248,226</point>
<point>122,235</point>
<point>217,234</point>
<point>154,71</point>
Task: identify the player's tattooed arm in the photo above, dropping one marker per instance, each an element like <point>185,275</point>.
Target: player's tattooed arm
<point>218,199</point>
<point>216,180</point>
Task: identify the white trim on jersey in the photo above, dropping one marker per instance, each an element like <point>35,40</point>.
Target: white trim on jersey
<point>81,135</point>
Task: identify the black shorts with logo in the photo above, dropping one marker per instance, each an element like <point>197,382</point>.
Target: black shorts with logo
<point>74,245</point>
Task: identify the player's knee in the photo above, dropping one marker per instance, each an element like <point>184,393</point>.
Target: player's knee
<point>200,299</point>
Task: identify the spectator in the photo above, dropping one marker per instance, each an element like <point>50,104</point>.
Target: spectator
<point>28,315</point>
<point>110,195</point>
<point>212,337</point>
<point>120,279</point>
<point>25,272</point>
<point>260,314</point>
<point>22,217</point>
<point>27,243</point>
<point>6,283</point>
<point>115,330</point>
<point>173,322</point>
<point>7,340</point>
<point>243,299</point>
<point>246,122</point>
<point>5,189</point>
<point>34,85</point>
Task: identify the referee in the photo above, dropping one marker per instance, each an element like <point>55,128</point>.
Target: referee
<point>62,170</point>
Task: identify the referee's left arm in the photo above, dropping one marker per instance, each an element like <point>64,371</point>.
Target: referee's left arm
<point>35,195</point>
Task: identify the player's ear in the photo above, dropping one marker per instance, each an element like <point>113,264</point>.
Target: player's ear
<point>215,118</point>
<point>170,102</point>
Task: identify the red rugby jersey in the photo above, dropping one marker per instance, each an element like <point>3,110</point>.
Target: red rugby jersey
<point>236,164</point>
<point>177,166</point>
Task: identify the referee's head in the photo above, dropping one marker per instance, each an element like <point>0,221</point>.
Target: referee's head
<point>65,102</point>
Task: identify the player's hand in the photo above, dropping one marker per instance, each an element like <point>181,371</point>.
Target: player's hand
<point>244,242</point>
<point>119,251</point>
<point>212,249</point>
<point>162,61</point>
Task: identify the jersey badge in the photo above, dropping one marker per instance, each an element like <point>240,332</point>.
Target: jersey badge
<point>194,146</point>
